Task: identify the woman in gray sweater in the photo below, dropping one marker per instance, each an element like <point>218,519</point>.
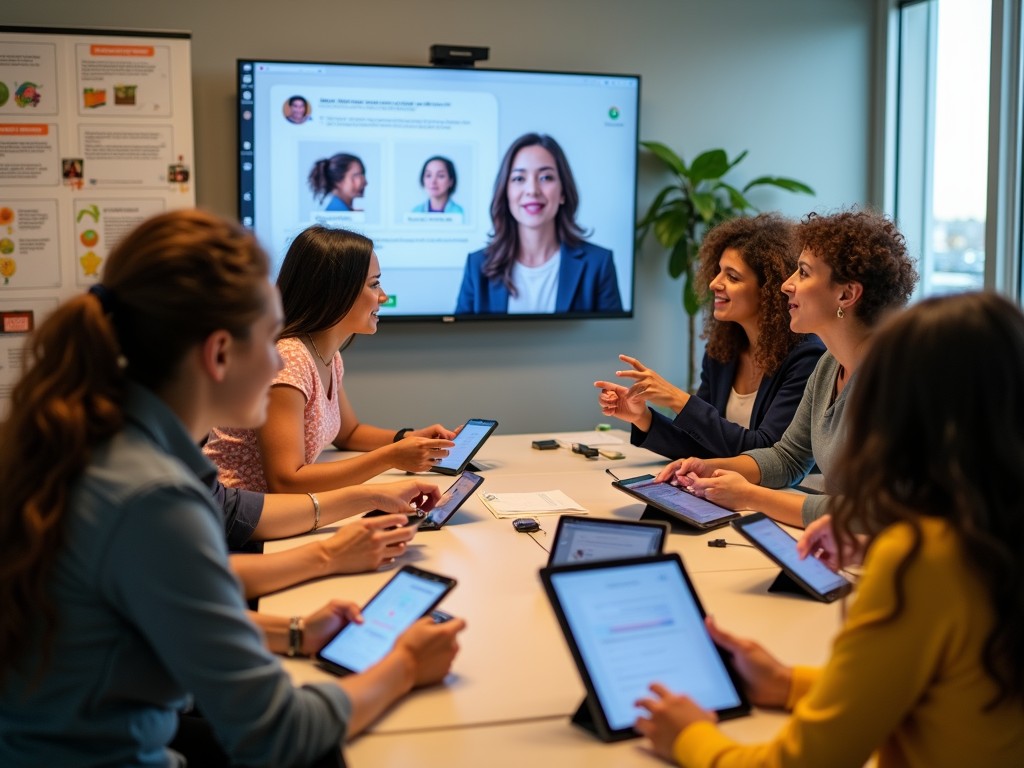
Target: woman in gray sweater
<point>852,271</point>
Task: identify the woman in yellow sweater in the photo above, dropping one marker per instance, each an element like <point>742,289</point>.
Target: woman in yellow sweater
<point>928,669</point>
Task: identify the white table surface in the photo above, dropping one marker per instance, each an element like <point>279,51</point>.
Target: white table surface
<point>514,684</point>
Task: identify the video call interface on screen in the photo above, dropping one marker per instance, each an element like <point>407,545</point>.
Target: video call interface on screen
<point>404,126</point>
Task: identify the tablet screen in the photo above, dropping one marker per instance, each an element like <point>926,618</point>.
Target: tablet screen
<point>676,501</point>
<point>452,499</point>
<point>407,597</point>
<point>580,539</point>
<point>635,623</point>
<point>467,442</point>
<point>776,542</point>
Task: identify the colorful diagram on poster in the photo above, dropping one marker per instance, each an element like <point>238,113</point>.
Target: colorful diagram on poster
<point>5,93</point>
<point>90,264</point>
<point>27,95</point>
<point>8,266</point>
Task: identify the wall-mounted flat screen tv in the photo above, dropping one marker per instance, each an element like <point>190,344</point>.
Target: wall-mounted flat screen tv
<point>488,193</point>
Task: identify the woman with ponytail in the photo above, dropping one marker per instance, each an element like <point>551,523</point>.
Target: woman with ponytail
<point>117,604</point>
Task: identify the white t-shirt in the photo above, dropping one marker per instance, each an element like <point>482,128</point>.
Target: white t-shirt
<point>739,407</point>
<point>536,286</point>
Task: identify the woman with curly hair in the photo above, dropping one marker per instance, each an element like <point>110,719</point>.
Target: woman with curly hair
<point>754,367</point>
<point>853,269</point>
<point>927,669</point>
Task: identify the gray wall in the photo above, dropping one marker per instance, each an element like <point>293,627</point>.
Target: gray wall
<point>789,80</point>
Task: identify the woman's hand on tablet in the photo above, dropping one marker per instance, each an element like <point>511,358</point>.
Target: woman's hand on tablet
<point>766,679</point>
<point>367,544</point>
<point>430,648</point>
<point>417,454</point>
<point>407,496</point>
<point>323,624</point>
<point>724,487</point>
<point>668,715</point>
<point>435,431</point>
<point>682,471</point>
<point>819,541</point>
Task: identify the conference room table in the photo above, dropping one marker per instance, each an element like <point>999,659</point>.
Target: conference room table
<point>514,685</point>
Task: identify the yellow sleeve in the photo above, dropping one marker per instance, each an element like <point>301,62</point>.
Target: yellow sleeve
<point>875,674</point>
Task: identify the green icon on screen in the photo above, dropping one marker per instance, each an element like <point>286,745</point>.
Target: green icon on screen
<point>392,302</point>
<point>614,113</point>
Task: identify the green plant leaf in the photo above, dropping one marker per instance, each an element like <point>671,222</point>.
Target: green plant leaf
<point>673,161</point>
<point>709,165</point>
<point>680,258</point>
<point>739,203</point>
<point>706,204</point>
<point>691,303</point>
<point>671,225</point>
<point>736,161</point>
<point>656,205</point>
<point>791,185</point>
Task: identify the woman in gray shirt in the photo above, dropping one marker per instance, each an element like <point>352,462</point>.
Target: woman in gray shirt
<point>117,603</point>
<point>853,269</point>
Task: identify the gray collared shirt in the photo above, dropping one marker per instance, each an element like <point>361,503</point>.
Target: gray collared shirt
<point>149,613</point>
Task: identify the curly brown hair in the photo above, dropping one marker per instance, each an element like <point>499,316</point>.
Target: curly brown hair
<point>768,246</point>
<point>863,247</point>
<point>919,445</point>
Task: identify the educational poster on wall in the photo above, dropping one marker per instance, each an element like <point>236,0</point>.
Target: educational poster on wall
<point>95,136</point>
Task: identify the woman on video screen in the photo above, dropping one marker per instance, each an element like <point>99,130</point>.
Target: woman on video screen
<point>537,261</point>
<point>438,179</point>
<point>341,178</point>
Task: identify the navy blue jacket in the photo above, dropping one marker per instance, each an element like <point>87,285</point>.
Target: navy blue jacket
<point>701,429</point>
<point>586,283</point>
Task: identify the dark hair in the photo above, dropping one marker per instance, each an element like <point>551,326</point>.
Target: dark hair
<point>867,248</point>
<point>166,287</point>
<point>768,247</point>
<point>299,98</point>
<point>321,278</point>
<point>447,164</point>
<point>504,245</point>
<point>328,171</point>
<point>927,438</point>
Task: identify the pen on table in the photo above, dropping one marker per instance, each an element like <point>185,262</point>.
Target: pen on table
<point>611,473</point>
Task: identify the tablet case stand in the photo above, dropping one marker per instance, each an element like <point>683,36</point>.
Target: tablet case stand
<point>784,583</point>
<point>582,718</point>
<point>678,526</point>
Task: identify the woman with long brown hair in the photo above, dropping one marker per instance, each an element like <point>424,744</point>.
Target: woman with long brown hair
<point>927,670</point>
<point>537,260</point>
<point>116,600</point>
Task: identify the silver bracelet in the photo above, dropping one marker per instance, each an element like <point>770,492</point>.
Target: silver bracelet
<point>316,511</point>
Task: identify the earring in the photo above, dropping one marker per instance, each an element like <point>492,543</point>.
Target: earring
<point>840,314</point>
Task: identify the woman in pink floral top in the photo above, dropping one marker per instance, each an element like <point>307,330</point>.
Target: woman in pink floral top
<point>330,289</point>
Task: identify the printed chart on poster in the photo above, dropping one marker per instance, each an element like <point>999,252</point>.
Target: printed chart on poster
<point>95,136</point>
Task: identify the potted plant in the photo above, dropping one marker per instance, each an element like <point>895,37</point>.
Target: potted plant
<point>697,199</point>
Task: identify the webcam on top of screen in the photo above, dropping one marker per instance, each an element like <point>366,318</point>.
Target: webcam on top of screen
<point>457,55</point>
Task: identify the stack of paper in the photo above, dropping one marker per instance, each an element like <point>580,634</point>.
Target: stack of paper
<point>530,504</point>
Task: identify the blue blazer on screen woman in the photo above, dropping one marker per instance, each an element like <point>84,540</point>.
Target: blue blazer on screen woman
<point>586,283</point>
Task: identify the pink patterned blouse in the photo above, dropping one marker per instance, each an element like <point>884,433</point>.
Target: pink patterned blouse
<point>236,452</point>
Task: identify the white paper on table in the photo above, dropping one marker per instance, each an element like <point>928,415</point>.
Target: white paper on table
<point>593,439</point>
<point>536,503</point>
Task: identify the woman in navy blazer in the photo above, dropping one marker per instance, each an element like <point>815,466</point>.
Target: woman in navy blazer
<point>754,367</point>
<point>537,261</point>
